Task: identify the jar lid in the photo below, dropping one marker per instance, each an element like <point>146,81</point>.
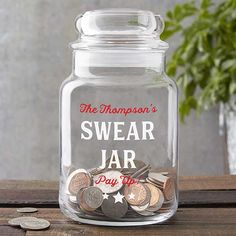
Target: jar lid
<point>119,27</point>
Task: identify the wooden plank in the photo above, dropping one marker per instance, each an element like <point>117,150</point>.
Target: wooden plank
<point>188,221</point>
<point>28,184</point>
<point>161,230</point>
<point>6,230</point>
<point>184,216</point>
<point>29,196</point>
<point>226,182</point>
<point>207,198</point>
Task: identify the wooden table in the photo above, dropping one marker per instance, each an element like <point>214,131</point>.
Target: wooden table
<point>207,207</point>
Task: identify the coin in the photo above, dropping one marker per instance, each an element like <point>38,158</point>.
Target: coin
<point>17,221</point>
<point>85,208</point>
<point>139,172</point>
<point>159,204</point>
<point>140,208</point>
<point>78,179</point>
<point>135,194</point>
<point>72,202</point>
<point>148,196</point>
<point>81,203</point>
<point>27,210</point>
<point>164,173</point>
<point>157,177</point>
<point>138,165</point>
<point>153,182</point>
<point>169,189</point>
<point>35,224</point>
<point>96,171</point>
<point>92,197</point>
<point>108,182</point>
<point>114,209</point>
<point>72,199</point>
<point>155,194</point>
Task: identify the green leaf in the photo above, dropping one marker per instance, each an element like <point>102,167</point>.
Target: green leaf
<point>228,64</point>
<point>205,4</point>
<point>186,106</point>
<point>190,88</point>
<point>232,88</point>
<point>168,33</point>
<point>204,62</point>
<point>171,69</point>
<point>170,15</point>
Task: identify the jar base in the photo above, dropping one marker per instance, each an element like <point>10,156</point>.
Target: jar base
<point>145,220</point>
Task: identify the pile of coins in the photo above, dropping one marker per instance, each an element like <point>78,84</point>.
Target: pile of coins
<point>29,222</point>
<point>123,192</point>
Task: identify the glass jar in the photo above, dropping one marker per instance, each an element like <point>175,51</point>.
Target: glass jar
<point>119,123</point>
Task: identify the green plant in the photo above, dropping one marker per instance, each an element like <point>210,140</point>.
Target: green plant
<point>205,61</point>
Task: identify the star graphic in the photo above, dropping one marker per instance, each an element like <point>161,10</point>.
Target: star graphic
<point>118,197</point>
<point>131,196</point>
<point>105,196</point>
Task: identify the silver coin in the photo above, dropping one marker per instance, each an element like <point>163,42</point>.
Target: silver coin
<point>140,208</point>
<point>145,213</point>
<point>143,174</point>
<point>138,165</point>
<point>96,171</point>
<point>36,224</point>
<point>152,181</point>
<point>92,197</point>
<point>27,210</point>
<point>73,199</point>
<point>72,202</point>
<point>113,209</point>
<point>108,182</point>
<point>164,173</point>
<point>18,220</point>
<point>158,177</point>
<point>139,172</point>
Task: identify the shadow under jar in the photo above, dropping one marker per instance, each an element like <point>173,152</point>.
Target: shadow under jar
<point>119,123</point>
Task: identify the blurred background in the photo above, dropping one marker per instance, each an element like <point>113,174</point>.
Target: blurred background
<point>35,59</point>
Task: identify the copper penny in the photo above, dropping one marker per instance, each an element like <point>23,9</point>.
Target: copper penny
<point>135,194</point>
<point>155,194</point>
<point>159,204</point>
<point>78,179</point>
<point>169,189</point>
